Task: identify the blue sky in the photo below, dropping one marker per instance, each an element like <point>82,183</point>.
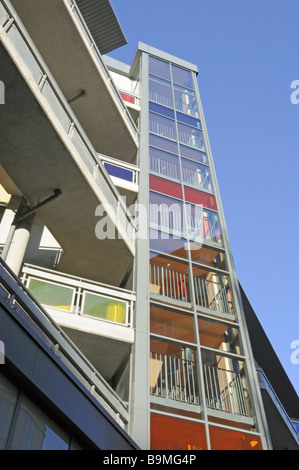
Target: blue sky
<point>247,55</point>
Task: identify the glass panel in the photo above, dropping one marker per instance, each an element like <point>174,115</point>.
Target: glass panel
<point>159,68</point>
<point>35,431</point>
<point>207,255</point>
<point>104,308</point>
<point>164,186</point>
<point>212,290</point>
<point>191,121</point>
<point>196,174</point>
<point>203,225</point>
<point>200,198</point>
<point>190,136</point>
<point>51,294</point>
<point>226,439</point>
<point>169,433</point>
<point>169,278</point>
<point>160,92</point>
<point>119,172</point>
<point>217,335</point>
<point>166,214</point>
<point>162,126</point>
<point>165,164</point>
<point>185,101</point>
<point>167,322</point>
<point>163,144</point>
<point>182,77</point>
<point>168,244</point>
<point>157,108</point>
<point>8,400</point>
<point>193,154</point>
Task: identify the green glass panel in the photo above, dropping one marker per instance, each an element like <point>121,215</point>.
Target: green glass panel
<point>104,308</point>
<point>50,294</point>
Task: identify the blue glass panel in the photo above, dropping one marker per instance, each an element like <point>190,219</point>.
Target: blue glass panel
<point>189,120</point>
<point>157,108</point>
<point>119,172</point>
<point>194,154</point>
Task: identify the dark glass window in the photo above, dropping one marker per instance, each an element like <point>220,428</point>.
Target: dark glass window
<point>159,68</point>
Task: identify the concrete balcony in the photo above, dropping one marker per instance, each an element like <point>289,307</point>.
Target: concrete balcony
<point>44,147</point>
<point>63,39</point>
<point>97,317</point>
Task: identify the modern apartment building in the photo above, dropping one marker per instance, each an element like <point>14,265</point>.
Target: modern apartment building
<point>122,322</point>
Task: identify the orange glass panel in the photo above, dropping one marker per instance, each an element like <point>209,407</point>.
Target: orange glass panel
<point>169,433</point>
<point>167,322</point>
<point>226,439</point>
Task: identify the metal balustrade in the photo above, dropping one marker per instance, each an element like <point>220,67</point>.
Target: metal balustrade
<point>213,294</point>
<point>173,378</point>
<point>169,283</point>
<point>164,167</point>
<point>225,391</point>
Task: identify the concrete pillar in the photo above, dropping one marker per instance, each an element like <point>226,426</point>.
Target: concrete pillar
<point>18,245</point>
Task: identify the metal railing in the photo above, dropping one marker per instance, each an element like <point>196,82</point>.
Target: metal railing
<point>197,177</point>
<point>164,167</point>
<point>173,378</point>
<point>17,296</point>
<point>225,391</point>
<point>212,295</point>
<point>122,300</point>
<point>169,283</point>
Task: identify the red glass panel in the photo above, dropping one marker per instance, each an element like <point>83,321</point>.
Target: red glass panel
<point>226,439</point>
<point>198,197</point>
<point>166,187</point>
<point>169,433</point>
<point>130,99</point>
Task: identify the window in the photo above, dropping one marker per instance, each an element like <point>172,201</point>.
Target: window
<point>227,439</point>
<point>162,126</point>
<point>196,174</point>
<point>160,92</point>
<point>193,154</point>
<point>163,144</point>
<point>164,164</point>
<point>198,197</point>
<point>191,136</point>
<point>159,68</point>
<point>167,322</point>
<point>171,433</point>
<point>185,101</point>
<point>182,77</point>
<point>52,295</point>
<point>166,214</point>
<point>166,187</point>
<point>104,308</point>
<point>168,244</point>
<point>157,108</point>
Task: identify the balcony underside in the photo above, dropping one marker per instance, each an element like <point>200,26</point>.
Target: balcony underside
<point>63,44</point>
<point>37,160</point>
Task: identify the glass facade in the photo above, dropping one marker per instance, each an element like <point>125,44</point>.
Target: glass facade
<point>199,387</point>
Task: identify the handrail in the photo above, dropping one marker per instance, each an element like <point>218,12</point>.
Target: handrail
<point>61,343</point>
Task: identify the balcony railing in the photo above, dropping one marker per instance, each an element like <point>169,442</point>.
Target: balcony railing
<point>169,283</point>
<point>120,169</point>
<point>173,378</point>
<point>71,294</point>
<point>225,391</point>
<point>213,294</point>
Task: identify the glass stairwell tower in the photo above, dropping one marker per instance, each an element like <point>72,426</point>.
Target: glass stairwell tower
<point>198,389</point>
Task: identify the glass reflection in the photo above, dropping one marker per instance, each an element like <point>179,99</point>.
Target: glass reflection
<point>166,214</point>
<point>164,164</point>
<point>159,68</point>
<point>168,243</point>
<point>167,322</point>
<point>163,144</point>
<point>196,174</point>
<point>160,92</point>
<point>162,126</point>
<point>182,77</point>
<point>185,101</point>
<point>220,336</point>
<point>191,136</point>
<point>193,154</point>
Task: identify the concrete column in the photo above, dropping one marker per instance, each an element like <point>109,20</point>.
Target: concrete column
<point>18,245</point>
